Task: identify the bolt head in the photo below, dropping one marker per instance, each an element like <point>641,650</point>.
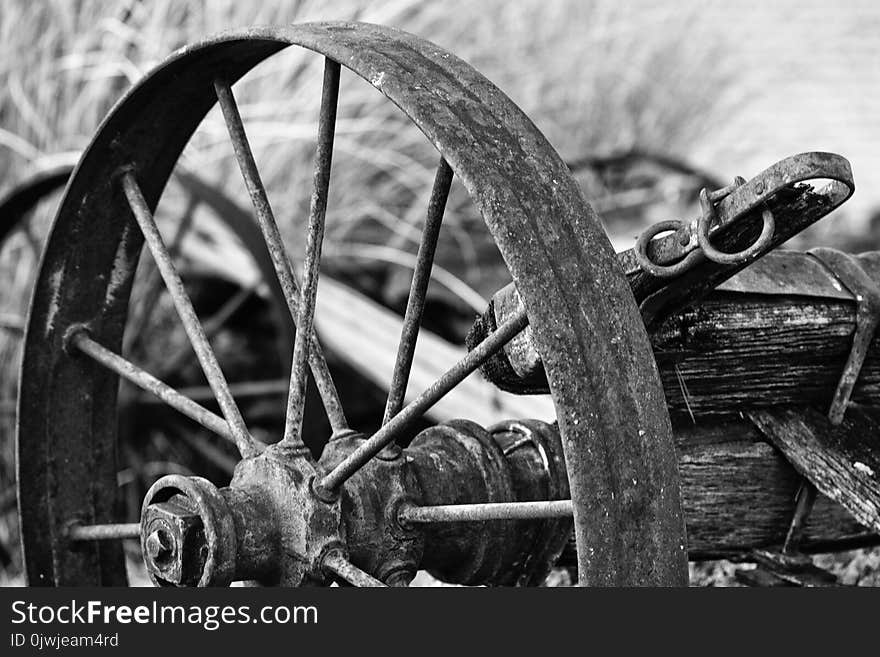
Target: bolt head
<point>159,545</point>
<point>174,541</point>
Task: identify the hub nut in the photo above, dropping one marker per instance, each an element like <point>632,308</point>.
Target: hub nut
<point>174,545</point>
<point>187,533</point>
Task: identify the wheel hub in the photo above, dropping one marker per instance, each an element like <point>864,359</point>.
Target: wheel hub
<point>272,525</point>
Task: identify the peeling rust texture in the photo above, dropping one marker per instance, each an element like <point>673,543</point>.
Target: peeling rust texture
<point>616,431</point>
<point>739,222</point>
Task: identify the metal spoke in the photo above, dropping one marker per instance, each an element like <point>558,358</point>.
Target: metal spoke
<point>337,564</point>
<point>208,360</point>
<point>314,240</point>
<point>415,305</point>
<point>239,390</point>
<point>153,286</point>
<point>489,511</point>
<point>275,245</point>
<point>148,382</point>
<point>109,532</point>
<point>416,408</point>
<point>211,326</point>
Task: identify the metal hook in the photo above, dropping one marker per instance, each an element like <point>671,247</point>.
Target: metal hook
<point>662,271</point>
<point>707,217</point>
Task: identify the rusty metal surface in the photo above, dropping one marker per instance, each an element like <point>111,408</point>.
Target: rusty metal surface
<point>740,218</point>
<point>749,199</point>
<point>104,532</point>
<point>866,291</point>
<point>481,512</point>
<point>786,273</point>
<point>337,564</point>
<point>186,312</point>
<point>467,473</point>
<point>616,431</point>
<point>79,339</point>
<point>272,243</point>
<point>305,318</point>
<point>412,318</point>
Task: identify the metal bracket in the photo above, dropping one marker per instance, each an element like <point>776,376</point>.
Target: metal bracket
<point>698,232</point>
<point>771,204</point>
<point>852,275</point>
<point>732,203</point>
<point>849,271</point>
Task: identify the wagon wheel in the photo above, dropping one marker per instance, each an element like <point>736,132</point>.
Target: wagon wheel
<point>19,210</point>
<point>364,512</point>
<point>17,214</point>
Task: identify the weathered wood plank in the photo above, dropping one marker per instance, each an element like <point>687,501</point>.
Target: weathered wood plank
<point>734,352</point>
<point>778,334</point>
<point>738,492</point>
<point>842,462</point>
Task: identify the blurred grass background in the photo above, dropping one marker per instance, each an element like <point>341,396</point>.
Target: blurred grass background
<point>728,86</point>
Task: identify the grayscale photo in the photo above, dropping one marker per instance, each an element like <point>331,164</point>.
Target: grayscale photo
<point>422,294</point>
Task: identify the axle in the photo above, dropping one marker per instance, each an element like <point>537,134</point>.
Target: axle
<point>273,524</point>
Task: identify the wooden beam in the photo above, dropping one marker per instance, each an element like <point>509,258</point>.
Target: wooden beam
<point>738,495</point>
<point>842,462</point>
<point>776,334</point>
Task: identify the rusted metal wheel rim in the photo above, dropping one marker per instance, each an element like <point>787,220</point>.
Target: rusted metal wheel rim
<point>611,411</point>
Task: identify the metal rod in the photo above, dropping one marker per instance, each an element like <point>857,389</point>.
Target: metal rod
<point>335,563</point>
<point>416,408</point>
<point>212,326</point>
<point>296,400</point>
<point>415,304</point>
<point>275,245</point>
<point>208,360</point>
<point>110,532</point>
<point>488,511</point>
<point>239,390</point>
<point>148,300</point>
<point>148,382</point>
<point>806,498</point>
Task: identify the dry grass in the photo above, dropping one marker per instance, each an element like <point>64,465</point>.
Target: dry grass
<point>595,76</point>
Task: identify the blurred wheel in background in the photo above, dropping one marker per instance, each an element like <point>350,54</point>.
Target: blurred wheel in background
<point>238,314</point>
